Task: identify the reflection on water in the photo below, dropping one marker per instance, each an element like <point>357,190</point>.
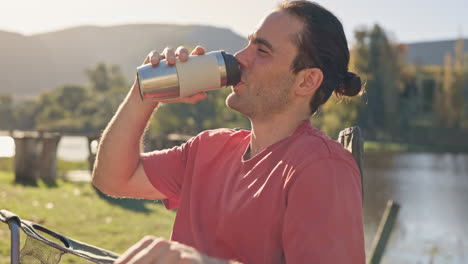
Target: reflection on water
<point>432,190</point>
<point>7,146</point>
<point>73,148</point>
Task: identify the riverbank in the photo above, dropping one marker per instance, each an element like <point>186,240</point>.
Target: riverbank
<point>374,146</point>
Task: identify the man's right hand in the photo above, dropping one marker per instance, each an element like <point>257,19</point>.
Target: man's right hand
<point>118,170</point>
<point>181,53</point>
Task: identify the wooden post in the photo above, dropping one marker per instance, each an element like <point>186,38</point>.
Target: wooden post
<point>48,157</point>
<point>383,232</point>
<point>27,147</point>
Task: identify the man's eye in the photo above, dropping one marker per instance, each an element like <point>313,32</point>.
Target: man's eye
<point>262,51</point>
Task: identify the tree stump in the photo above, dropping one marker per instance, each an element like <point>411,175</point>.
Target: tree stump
<point>35,156</point>
<point>48,157</point>
<point>26,152</point>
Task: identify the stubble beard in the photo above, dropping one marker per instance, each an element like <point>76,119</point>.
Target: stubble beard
<point>267,101</point>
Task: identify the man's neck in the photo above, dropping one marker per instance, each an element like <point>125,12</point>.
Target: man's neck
<point>267,132</point>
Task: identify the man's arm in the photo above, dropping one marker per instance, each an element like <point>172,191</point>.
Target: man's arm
<point>118,170</point>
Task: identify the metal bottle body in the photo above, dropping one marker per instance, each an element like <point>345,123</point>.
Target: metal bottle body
<point>199,73</point>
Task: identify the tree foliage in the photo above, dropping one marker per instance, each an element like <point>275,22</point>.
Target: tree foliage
<point>83,110</point>
<point>191,119</point>
<point>398,97</point>
<point>379,60</point>
<point>70,108</point>
<point>6,112</point>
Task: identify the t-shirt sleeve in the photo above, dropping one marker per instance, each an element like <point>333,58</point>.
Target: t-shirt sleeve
<point>165,170</point>
<point>323,219</point>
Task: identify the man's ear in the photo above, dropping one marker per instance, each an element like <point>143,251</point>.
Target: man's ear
<point>309,80</point>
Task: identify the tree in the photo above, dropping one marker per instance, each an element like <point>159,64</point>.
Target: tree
<point>379,60</point>
<point>7,120</point>
<point>191,119</point>
<point>25,114</point>
<point>450,97</point>
<point>69,97</point>
<point>103,77</point>
<point>338,113</point>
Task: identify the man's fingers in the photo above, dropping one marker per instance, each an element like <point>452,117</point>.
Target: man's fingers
<point>131,252</point>
<point>170,256</point>
<point>169,54</point>
<point>182,53</point>
<point>152,253</point>
<point>155,58</point>
<point>199,50</point>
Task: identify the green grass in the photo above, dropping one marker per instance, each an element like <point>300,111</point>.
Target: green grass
<point>375,146</point>
<point>7,164</point>
<point>380,146</point>
<point>80,212</point>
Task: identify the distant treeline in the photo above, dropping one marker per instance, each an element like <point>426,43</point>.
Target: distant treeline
<point>399,102</point>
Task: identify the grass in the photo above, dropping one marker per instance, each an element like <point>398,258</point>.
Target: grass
<point>375,146</point>
<point>386,147</point>
<point>7,164</point>
<point>80,212</point>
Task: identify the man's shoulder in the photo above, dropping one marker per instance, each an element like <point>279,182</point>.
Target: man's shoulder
<point>314,145</point>
<point>315,151</point>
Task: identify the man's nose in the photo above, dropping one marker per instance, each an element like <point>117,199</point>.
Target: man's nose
<point>241,57</point>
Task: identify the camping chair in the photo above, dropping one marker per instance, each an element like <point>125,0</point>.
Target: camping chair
<point>42,250</point>
<point>352,140</point>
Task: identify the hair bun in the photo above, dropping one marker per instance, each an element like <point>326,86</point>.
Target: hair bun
<point>352,85</point>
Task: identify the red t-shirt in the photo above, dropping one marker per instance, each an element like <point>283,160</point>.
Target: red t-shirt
<point>298,201</point>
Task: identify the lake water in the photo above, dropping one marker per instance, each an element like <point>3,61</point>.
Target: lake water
<point>70,148</point>
<point>432,190</point>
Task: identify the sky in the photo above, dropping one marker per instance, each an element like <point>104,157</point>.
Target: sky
<point>404,20</point>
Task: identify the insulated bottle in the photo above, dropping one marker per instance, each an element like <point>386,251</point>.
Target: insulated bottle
<point>213,70</point>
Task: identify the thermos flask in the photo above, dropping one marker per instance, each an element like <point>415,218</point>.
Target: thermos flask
<point>206,72</point>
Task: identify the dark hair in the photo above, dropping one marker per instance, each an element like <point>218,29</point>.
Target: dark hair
<point>322,44</point>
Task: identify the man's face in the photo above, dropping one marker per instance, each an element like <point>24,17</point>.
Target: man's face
<point>267,78</point>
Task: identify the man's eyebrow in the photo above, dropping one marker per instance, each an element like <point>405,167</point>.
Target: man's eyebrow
<point>257,40</point>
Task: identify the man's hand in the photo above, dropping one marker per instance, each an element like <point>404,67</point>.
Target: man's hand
<point>120,173</point>
<point>182,53</point>
<point>152,250</point>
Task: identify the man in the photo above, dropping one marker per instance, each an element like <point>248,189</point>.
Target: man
<point>280,193</point>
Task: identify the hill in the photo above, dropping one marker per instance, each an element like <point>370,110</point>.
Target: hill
<point>32,64</point>
<point>433,52</point>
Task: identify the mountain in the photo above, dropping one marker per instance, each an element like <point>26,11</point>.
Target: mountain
<point>32,64</point>
<point>433,52</point>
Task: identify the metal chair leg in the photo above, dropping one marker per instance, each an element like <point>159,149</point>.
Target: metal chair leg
<point>15,241</point>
